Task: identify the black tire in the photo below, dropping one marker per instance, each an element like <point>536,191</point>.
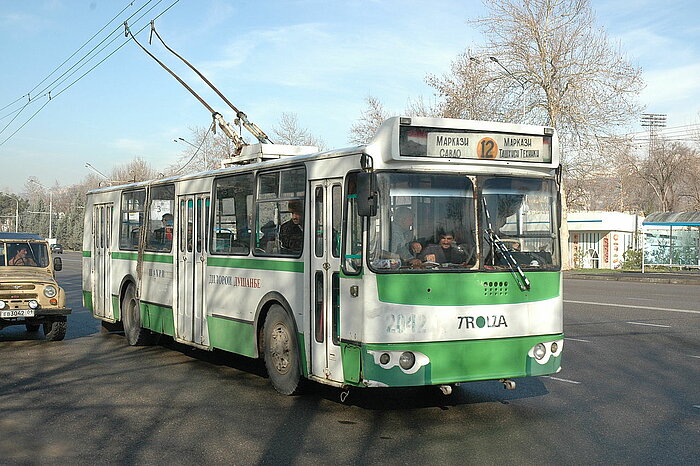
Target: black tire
<point>131,317</point>
<point>281,350</point>
<point>32,327</point>
<point>56,330</point>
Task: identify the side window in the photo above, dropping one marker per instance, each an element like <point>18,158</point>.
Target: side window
<point>280,213</point>
<point>131,219</point>
<point>232,214</point>
<point>337,218</point>
<point>161,219</point>
<point>352,248</point>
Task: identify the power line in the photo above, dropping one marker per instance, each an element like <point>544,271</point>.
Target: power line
<point>48,94</point>
<point>28,94</point>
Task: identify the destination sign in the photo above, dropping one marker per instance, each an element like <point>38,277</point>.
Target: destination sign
<point>486,146</point>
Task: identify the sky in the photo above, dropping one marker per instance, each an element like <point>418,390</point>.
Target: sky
<point>318,59</point>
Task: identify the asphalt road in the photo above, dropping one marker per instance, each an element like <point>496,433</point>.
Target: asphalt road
<point>628,394</point>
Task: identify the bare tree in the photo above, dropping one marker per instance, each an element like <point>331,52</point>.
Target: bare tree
<point>137,169</point>
<point>664,170</point>
<point>372,117</point>
<point>544,62</point>
<point>288,131</point>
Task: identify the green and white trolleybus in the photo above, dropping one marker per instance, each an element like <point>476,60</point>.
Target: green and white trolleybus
<point>430,256</point>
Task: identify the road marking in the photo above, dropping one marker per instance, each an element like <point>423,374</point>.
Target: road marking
<point>687,311</point>
<point>649,325</point>
<point>640,299</point>
<point>696,406</point>
<point>576,339</point>
<point>693,356</point>
<point>561,380</point>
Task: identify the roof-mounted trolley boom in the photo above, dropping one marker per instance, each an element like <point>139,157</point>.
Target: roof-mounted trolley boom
<point>218,118</point>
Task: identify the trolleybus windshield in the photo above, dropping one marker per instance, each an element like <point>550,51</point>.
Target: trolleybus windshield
<point>426,222</point>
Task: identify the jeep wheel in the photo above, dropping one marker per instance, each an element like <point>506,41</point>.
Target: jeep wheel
<point>131,316</point>
<point>56,330</point>
<point>32,327</point>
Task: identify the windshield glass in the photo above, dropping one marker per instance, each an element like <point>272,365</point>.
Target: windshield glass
<point>521,214</point>
<point>24,254</point>
<point>423,221</point>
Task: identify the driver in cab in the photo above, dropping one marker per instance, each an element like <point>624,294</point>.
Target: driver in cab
<point>445,252</point>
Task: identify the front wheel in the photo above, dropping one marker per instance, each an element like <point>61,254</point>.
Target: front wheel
<point>131,316</point>
<point>56,330</point>
<point>282,351</point>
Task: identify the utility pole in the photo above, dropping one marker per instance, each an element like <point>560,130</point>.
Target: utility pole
<point>653,121</point>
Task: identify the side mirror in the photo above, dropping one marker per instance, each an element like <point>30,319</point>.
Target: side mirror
<point>367,194</point>
<point>57,264</point>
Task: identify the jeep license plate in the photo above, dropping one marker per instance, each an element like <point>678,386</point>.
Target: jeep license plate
<point>17,313</point>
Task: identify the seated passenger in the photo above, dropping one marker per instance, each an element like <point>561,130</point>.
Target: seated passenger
<point>445,252</point>
<point>291,232</point>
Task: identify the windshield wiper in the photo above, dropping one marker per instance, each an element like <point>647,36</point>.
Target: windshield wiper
<point>520,278</point>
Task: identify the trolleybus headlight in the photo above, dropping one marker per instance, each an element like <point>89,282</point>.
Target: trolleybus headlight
<point>384,358</point>
<point>33,304</point>
<point>554,347</point>
<point>539,351</point>
<point>407,360</point>
<point>2,304</point>
<point>50,291</point>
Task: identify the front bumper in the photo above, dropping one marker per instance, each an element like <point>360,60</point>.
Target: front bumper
<point>40,315</point>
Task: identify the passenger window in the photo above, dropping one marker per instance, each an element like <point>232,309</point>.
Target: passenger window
<point>280,213</point>
<point>232,214</point>
<point>161,219</point>
<point>132,210</point>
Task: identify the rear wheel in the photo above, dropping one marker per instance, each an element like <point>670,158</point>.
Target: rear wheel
<point>56,330</point>
<point>131,316</point>
<point>282,351</point>
<point>32,327</point>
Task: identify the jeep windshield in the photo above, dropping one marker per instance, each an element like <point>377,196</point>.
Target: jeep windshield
<point>23,254</point>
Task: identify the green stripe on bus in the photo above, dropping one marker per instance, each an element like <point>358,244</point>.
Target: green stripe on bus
<point>158,318</point>
<point>257,264</point>
<point>132,256</point>
<point>87,300</point>
<point>116,307</point>
<point>461,289</point>
<point>232,335</point>
<point>461,361</point>
<point>87,254</point>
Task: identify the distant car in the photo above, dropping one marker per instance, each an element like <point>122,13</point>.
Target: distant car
<point>57,248</point>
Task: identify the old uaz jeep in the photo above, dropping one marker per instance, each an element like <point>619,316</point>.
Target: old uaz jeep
<point>29,294</point>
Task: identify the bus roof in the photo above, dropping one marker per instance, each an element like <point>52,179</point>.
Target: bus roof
<point>385,146</point>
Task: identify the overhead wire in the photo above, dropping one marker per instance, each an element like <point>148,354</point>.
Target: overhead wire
<point>48,94</point>
<point>28,94</point>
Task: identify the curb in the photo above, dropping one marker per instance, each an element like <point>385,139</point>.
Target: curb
<point>627,278</point>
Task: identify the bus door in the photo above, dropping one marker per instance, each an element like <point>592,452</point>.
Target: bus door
<point>101,255</point>
<point>326,217</point>
<point>193,219</point>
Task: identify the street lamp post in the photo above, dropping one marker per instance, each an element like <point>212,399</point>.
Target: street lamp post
<point>195,148</point>
<point>522,84</point>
